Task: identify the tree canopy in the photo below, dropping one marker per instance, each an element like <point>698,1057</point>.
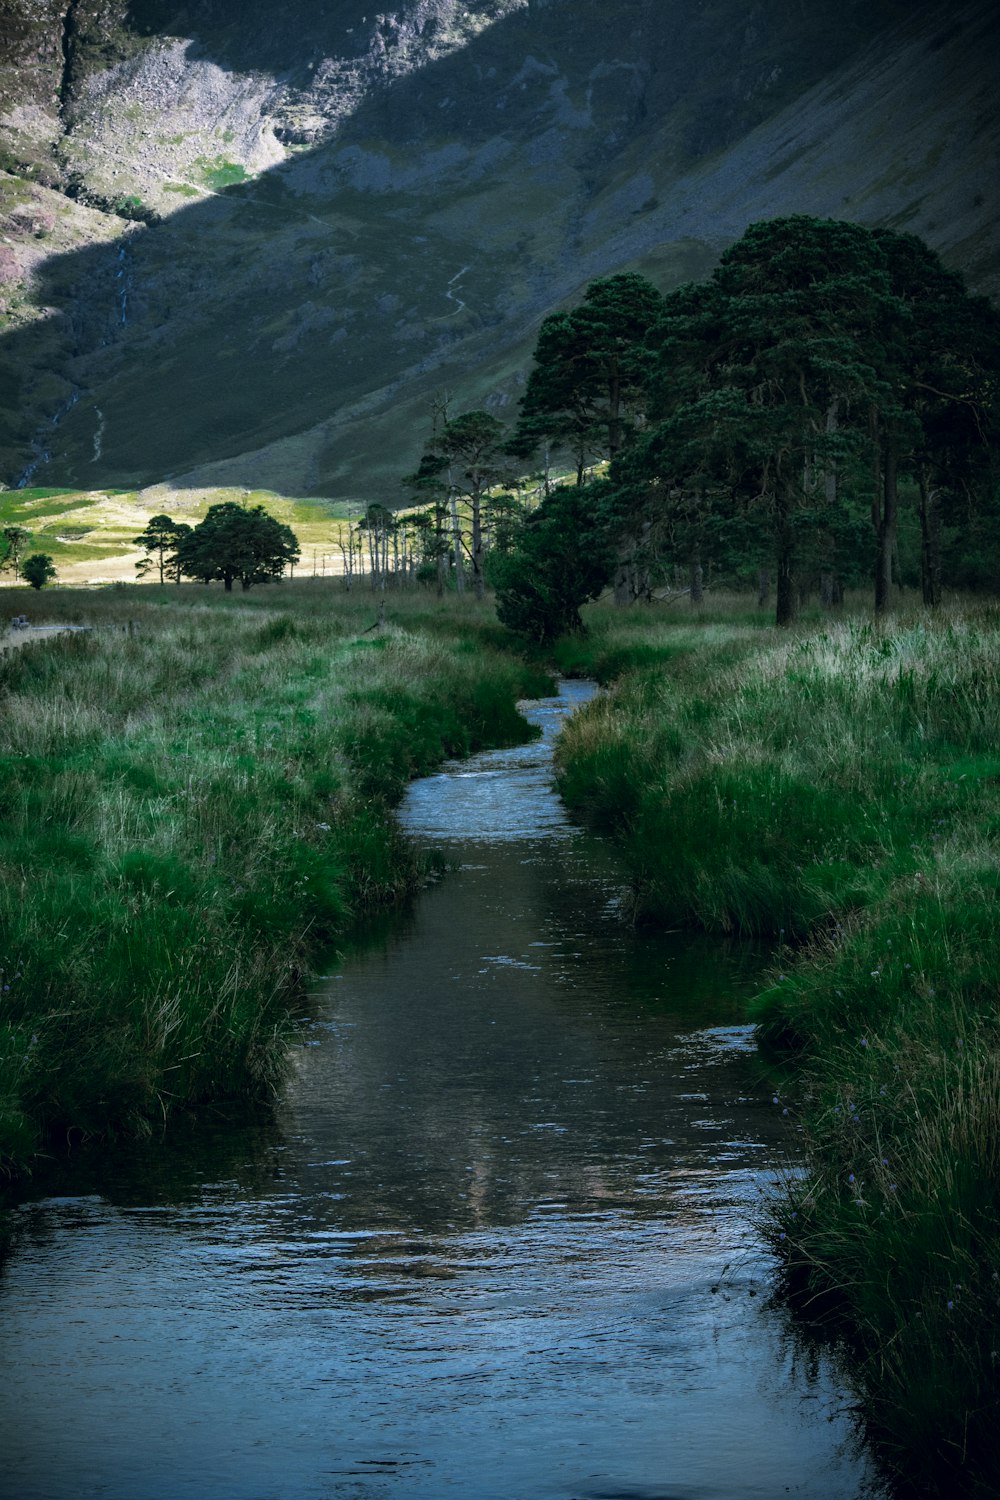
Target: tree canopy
<point>767,417</point>
<point>466,457</point>
<point>587,377</point>
<point>38,569</point>
<point>160,540</point>
<point>237,541</point>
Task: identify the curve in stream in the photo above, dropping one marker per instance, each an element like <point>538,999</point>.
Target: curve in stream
<point>496,1243</point>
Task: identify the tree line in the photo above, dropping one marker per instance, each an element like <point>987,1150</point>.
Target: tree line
<point>770,423</point>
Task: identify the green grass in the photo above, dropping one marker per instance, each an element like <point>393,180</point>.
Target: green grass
<point>96,528</point>
<point>218,173</point>
<point>762,783</point>
<point>195,797</point>
<point>894,1237</point>
<point>838,788</point>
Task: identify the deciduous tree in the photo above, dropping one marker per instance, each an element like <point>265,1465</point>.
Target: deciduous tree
<point>237,541</point>
<point>38,569</point>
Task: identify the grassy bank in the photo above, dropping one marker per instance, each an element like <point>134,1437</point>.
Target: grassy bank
<point>195,797</point>
<point>839,789</point>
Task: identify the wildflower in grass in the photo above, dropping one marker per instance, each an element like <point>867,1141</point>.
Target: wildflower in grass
<point>864,1041</point>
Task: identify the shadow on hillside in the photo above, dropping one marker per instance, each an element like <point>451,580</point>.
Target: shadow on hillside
<point>427,238</point>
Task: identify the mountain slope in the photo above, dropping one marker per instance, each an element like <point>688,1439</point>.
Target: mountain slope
<point>374,211</point>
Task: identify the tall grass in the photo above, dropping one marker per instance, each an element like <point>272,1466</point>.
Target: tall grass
<point>765,785</point>
<point>840,789</point>
<point>895,1234</point>
<point>195,796</point>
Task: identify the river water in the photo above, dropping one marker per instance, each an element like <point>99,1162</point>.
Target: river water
<point>496,1241</point>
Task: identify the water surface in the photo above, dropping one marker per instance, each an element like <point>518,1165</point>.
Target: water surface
<point>497,1241</point>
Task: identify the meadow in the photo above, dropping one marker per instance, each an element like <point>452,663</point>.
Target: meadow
<point>197,801</point>
<point>90,534</point>
<point>196,798</point>
<point>837,789</point>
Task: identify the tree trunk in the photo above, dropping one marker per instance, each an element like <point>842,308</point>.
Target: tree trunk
<point>440,550</point>
<point>826,589</point>
<point>456,534</point>
<point>930,544</point>
<point>614,409</point>
<point>763,587</point>
<point>886,530</point>
<point>478,575</point>
<point>784,612</point>
<point>830,468</point>
<point>696,576</point>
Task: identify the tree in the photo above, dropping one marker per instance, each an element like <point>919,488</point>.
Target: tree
<point>564,553</point>
<point>470,450</point>
<point>379,522</point>
<point>38,569</point>
<point>943,362</point>
<point>237,541</point>
<point>769,383</point>
<point>782,399</point>
<point>16,539</point>
<point>160,541</point>
<point>587,379</point>
<point>427,486</point>
<point>586,392</point>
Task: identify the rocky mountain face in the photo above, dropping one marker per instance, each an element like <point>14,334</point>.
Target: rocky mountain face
<point>249,244</point>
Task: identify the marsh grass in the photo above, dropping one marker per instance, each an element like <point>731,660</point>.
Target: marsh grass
<point>839,789</point>
<point>895,1234</point>
<point>766,785</point>
<point>195,797</point>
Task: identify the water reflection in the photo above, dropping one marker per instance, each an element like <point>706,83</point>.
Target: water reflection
<point>497,1240</point>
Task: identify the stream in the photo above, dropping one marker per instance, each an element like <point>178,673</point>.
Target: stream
<point>496,1241</point>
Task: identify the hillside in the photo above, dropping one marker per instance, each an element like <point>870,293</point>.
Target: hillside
<point>246,247</point>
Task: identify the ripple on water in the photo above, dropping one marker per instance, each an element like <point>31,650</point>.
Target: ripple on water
<point>498,1241</point>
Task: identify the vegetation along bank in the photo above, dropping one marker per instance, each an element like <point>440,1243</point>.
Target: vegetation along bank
<point>196,799</point>
<point>838,789</point>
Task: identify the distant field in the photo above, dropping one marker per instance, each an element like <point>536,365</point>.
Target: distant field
<point>89,533</point>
